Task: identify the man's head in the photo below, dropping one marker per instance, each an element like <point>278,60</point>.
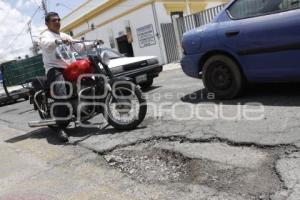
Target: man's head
<point>52,21</point>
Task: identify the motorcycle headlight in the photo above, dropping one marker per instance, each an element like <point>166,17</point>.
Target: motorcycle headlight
<point>105,58</point>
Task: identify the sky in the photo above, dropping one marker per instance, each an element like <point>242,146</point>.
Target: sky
<point>15,39</point>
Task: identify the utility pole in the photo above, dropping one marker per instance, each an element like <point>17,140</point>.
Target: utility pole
<point>44,7</point>
<point>34,47</point>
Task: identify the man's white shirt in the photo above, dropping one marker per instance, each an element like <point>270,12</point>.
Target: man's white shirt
<point>48,46</point>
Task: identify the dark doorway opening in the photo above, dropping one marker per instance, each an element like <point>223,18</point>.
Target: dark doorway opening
<point>177,13</point>
<point>124,46</point>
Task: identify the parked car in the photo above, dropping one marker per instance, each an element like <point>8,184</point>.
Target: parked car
<point>142,69</point>
<point>250,40</point>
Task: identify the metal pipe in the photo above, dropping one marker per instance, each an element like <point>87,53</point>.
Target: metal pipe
<point>36,103</point>
<point>34,124</point>
<point>86,89</point>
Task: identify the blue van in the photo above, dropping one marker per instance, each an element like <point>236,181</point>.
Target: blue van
<point>250,40</point>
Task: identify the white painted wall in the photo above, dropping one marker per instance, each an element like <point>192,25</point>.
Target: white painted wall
<point>121,8</point>
<point>162,14</point>
<point>82,11</point>
<point>213,4</point>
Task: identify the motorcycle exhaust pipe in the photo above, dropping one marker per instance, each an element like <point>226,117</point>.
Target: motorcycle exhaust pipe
<point>34,124</point>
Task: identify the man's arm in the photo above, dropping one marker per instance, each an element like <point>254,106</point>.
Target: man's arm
<point>79,46</point>
<point>47,42</point>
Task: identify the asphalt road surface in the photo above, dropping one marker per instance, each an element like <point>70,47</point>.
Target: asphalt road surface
<point>190,146</point>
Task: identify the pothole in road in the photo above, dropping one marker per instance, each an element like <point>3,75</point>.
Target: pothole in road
<point>150,166</point>
<point>244,171</point>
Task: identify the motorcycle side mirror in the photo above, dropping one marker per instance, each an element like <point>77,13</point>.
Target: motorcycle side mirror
<point>105,58</point>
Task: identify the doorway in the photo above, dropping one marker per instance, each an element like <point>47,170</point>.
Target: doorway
<point>124,46</point>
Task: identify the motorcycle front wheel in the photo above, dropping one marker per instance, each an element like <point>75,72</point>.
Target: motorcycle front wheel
<point>125,107</point>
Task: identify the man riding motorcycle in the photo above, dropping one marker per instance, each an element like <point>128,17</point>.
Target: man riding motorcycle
<point>54,66</point>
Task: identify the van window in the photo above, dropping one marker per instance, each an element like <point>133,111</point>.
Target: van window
<point>251,8</point>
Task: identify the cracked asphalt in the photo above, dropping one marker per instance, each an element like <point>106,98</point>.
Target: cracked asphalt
<point>189,147</point>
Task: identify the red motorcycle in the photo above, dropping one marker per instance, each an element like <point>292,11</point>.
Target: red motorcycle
<point>92,90</point>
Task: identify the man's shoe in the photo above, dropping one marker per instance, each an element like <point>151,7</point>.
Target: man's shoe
<point>62,135</point>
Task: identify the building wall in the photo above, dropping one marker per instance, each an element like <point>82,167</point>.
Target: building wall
<point>115,12</point>
<point>83,9</point>
<point>116,29</point>
<point>136,14</point>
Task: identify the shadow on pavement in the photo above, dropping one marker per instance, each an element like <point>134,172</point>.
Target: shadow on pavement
<point>151,88</point>
<point>283,94</point>
<point>43,133</point>
<point>79,133</point>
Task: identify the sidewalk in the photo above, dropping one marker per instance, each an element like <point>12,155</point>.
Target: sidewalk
<point>171,66</point>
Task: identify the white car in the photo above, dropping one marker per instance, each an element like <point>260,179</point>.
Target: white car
<point>142,69</point>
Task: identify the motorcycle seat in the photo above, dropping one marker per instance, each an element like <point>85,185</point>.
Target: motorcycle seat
<point>40,83</point>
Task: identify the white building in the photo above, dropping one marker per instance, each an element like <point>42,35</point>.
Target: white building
<point>130,26</point>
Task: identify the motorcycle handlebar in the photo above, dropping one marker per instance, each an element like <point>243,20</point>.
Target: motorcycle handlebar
<point>96,42</point>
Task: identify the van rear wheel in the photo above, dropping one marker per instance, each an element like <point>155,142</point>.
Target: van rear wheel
<point>223,77</point>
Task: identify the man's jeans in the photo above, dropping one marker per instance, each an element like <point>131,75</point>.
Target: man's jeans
<point>60,90</point>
